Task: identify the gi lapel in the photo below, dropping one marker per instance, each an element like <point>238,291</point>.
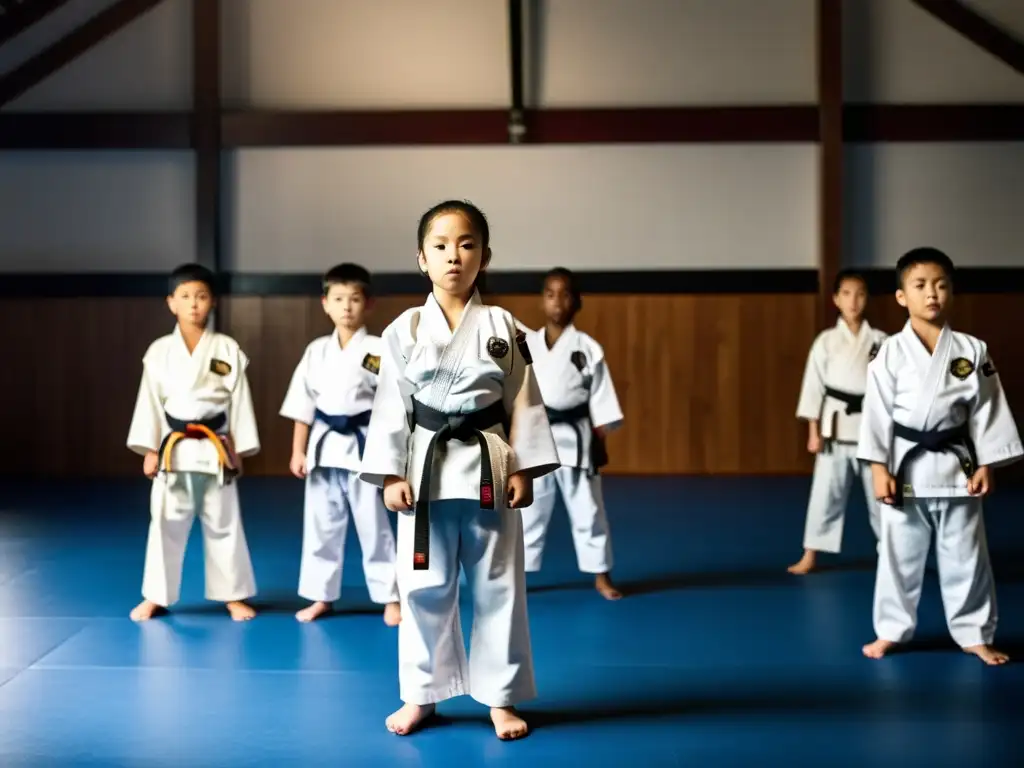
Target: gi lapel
<point>196,364</point>
<point>931,369</point>
<point>447,368</point>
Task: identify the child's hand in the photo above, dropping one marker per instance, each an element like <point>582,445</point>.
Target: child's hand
<point>884,483</point>
<point>980,483</point>
<point>814,443</point>
<point>397,494</point>
<point>297,465</point>
<point>520,491</point>
<point>150,464</point>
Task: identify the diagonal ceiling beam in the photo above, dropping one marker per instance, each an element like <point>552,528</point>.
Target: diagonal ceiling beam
<point>18,15</point>
<point>966,21</point>
<point>79,40</point>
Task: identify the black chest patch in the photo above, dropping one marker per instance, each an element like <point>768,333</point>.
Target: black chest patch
<point>523,347</point>
<point>497,348</point>
<point>873,352</point>
<point>372,363</point>
<point>578,359</point>
<point>961,368</point>
<point>988,369</point>
<point>220,367</point>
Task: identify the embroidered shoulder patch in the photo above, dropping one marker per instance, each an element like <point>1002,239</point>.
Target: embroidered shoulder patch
<point>961,368</point>
<point>988,369</point>
<point>372,363</point>
<point>524,347</point>
<point>873,352</point>
<point>220,367</point>
<point>579,360</point>
<point>497,348</point>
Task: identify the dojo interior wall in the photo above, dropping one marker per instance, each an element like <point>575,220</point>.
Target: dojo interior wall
<point>708,381</point>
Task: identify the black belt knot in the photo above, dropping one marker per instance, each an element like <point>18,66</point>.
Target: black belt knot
<point>956,440</point>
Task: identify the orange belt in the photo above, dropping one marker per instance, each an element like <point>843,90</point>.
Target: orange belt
<point>199,430</point>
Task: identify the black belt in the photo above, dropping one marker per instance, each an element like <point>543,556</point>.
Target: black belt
<point>854,403</point>
<point>463,427</point>
<point>343,425</point>
<point>198,429</point>
<point>938,441</point>
<point>572,417</point>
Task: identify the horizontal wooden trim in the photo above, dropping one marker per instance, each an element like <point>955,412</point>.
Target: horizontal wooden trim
<point>768,124</point>
<point>635,282</point>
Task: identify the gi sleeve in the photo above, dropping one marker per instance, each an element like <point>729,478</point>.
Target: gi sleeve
<point>147,427</point>
<point>387,438</point>
<point>812,390</point>
<point>604,403</point>
<point>299,401</point>
<point>241,413</point>
<point>875,443</point>
<point>993,429</point>
<point>530,438</point>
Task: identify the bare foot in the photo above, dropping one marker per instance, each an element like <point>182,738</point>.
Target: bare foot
<point>393,614</point>
<point>805,564</point>
<point>988,654</point>
<point>603,584</point>
<point>508,725</point>
<point>313,612</point>
<point>240,611</point>
<point>146,610</point>
<point>408,718</point>
<point>879,648</point>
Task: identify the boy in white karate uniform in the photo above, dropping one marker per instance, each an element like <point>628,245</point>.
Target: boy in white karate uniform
<point>935,424</point>
<point>193,424</point>
<point>329,399</point>
<point>831,400</point>
<point>458,435</point>
<point>582,408</point>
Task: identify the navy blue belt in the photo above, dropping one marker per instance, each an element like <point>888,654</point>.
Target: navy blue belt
<point>342,425</point>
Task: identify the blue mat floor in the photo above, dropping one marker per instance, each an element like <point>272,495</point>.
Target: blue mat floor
<point>717,658</point>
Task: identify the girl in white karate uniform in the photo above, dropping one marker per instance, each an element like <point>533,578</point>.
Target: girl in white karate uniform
<point>582,408</point>
<point>457,436</point>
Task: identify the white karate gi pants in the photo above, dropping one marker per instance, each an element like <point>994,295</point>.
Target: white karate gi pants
<point>834,473</point>
<point>965,571</point>
<point>584,501</point>
<point>432,662</point>
<point>333,497</point>
<point>176,499</point>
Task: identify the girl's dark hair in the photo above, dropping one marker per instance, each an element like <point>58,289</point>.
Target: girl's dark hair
<point>848,274</point>
<point>567,277</point>
<point>477,221</point>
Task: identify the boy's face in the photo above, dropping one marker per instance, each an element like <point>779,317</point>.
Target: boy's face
<point>926,292</point>
<point>346,305</point>
<point>191,303</point>
<point>558,301</point>
<point>851,298</point>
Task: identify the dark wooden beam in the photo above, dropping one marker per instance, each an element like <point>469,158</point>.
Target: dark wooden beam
<point>868,123</point>
<point>18,15</point>
<point>76,42</point>
<point>829,33</point>
<point>206,130</point>
<point>991,38</point>
<point>90,130</point>
<point>516,124</point>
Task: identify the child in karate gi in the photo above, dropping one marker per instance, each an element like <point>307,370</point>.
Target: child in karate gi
<point>936,423</point>
<point>193,424</point>
<point>831,400</point>
<point>329,399</point>
<point>582,408</point>
<point>458,435</point>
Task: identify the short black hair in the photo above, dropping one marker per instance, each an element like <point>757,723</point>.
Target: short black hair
<point>348,274</point>
<point>191,273</point>
<point>923,255</point>
<point>567,277</point>
<point>848,274</point>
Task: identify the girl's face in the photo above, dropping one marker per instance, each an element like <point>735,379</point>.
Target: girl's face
<point>452,255</point>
